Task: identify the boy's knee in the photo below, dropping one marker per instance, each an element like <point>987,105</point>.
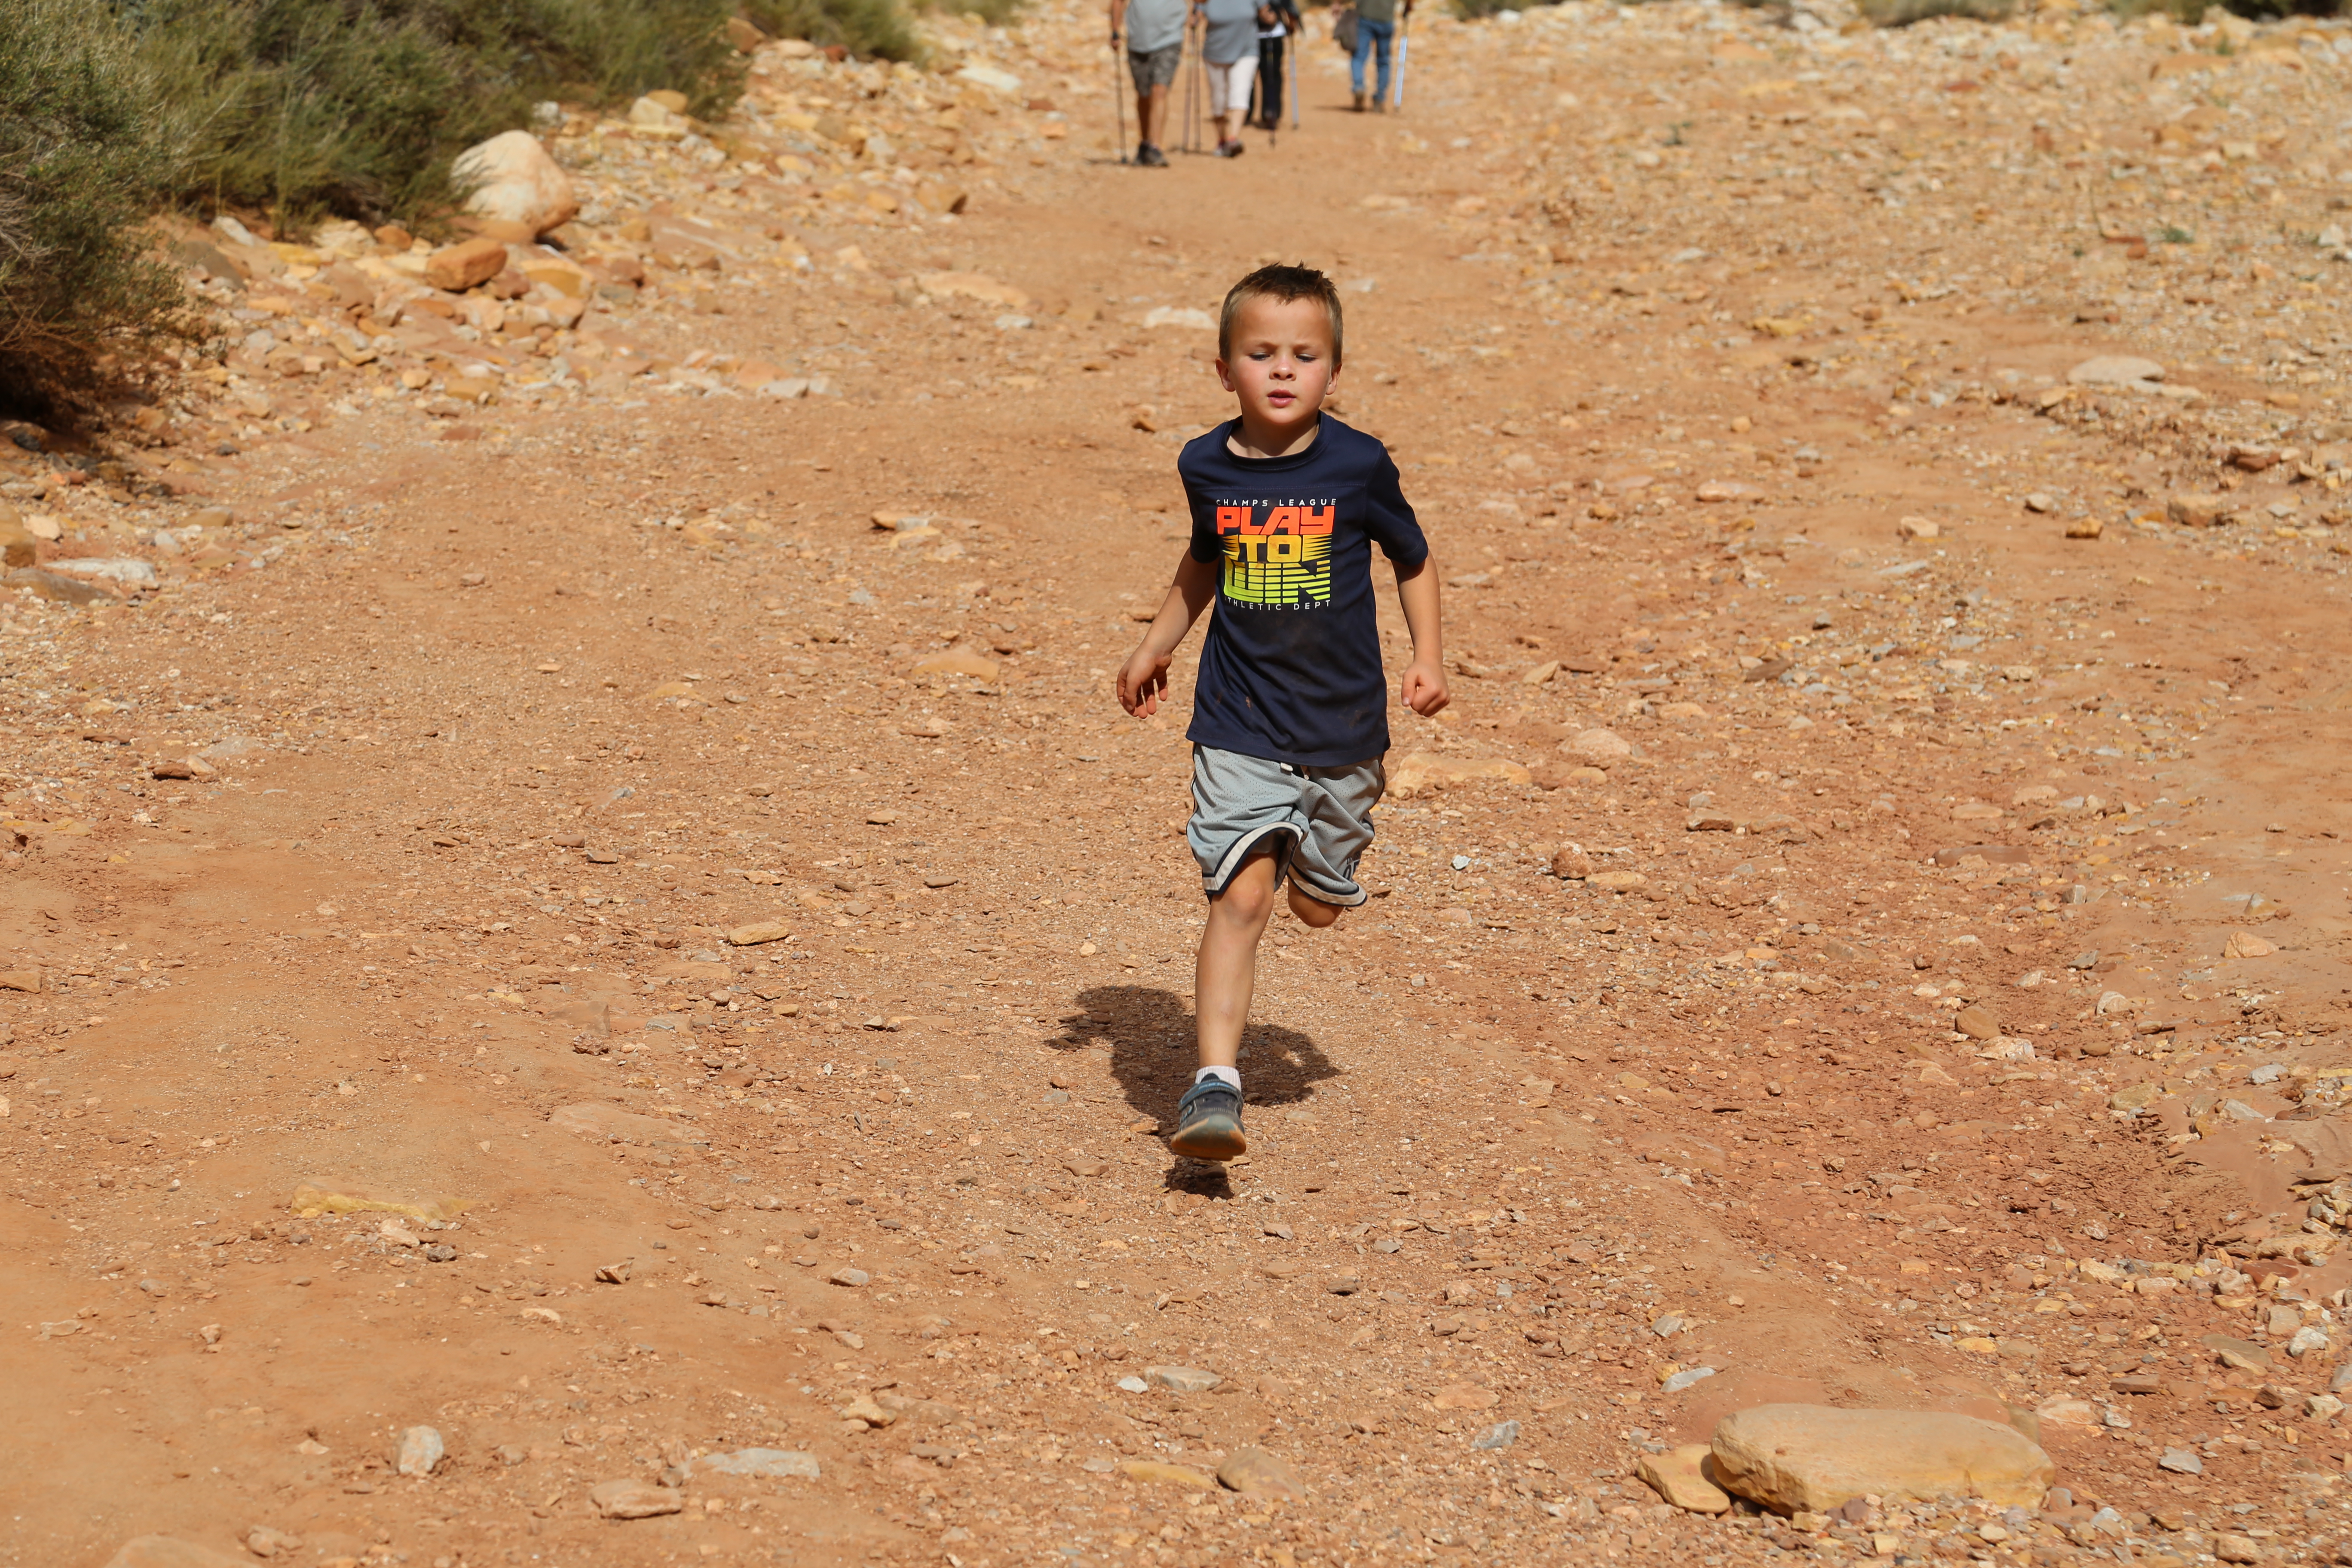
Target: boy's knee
<point>1245,898</point>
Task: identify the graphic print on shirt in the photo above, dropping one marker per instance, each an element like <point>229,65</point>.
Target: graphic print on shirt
<point>1277,553</point>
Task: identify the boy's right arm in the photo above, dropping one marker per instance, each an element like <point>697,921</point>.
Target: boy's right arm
<point>1143,678</point>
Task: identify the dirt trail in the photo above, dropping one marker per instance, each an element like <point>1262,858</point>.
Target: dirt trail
<point>1850,943</point>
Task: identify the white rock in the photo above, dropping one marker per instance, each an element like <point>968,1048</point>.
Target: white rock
<point>2115,370</point>
<point>108,569</point>
<point>989,76</point>
<point>420,1450</point>
<point>1180,316</point>
<point>1597,746</point>
<point>513,180</point>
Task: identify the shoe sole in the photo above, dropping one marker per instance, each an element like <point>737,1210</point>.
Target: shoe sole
<point>1211,1138</point>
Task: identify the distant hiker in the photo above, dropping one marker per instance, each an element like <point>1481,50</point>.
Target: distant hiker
<point>1277,21</point>
<point>1229,50</point>
<point>1376,25</point>
<point>1155,47</point>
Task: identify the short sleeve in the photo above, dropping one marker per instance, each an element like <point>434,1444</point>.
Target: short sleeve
<point>1205,545</point>
<point>1388,516</point>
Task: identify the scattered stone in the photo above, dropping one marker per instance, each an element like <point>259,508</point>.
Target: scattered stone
<point>165,1552</point>
<point>1598,747</point>
<point>1679,1476</point>
<point>1571,863</point>
<point>466,265</point>
<point>959,661</point>
<point>420,1452</point>
<point>1501,1434</point>
<point>2197,510</point>
<point>851,1278</point>
<point>2115,370</point>
<point>1791,1457</point>
<point>2232,1548</point>
<point>630,1498</point>
<point>2085,527</point>
<point>1685,1378</point>
<point>2246,945</point>
<point>1256,1473</point>
<point>759,931</point>
<point>263,1541</point>
<point>1918,528</point>
<point>1182,1379</point>
<point>56,589</point>
<point>1465,1397</point>
<point>2237,1355</point>
<point>1173,1475</point>
<point>2039,501</point>
<point>1978,1023</point>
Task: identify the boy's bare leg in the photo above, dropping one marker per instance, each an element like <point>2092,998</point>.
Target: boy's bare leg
<point>1311,911</point>
<point>1225,973</point>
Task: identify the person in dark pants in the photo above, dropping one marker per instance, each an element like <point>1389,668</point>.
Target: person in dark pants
<point>1278,21</point>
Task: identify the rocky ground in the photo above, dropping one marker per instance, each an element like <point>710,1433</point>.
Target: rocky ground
<point>597,975</point>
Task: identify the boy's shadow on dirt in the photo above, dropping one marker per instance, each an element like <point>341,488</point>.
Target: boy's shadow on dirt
<point>1152,1055</point>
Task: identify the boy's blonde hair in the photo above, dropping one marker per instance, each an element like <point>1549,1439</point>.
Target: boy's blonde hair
<point>1284,284</point>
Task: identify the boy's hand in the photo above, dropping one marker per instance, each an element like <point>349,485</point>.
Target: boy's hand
<point>1143,680</point>
<point>1423,687</point>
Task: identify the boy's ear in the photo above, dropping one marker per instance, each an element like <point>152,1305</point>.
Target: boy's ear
<point>1224,379</point>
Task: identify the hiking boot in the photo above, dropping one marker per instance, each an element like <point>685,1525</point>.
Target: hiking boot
<point>1150,157</point>
<point>1359,104</point>
<point>1233,148</point>
<point>1209,1121</point>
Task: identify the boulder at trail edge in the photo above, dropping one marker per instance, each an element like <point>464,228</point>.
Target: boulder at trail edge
<point>1790,1458</point>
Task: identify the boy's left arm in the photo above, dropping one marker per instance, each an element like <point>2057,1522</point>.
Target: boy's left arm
<point>1423,687</point>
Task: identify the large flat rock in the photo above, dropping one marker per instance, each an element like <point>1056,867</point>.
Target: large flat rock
<point>1798,1458</point>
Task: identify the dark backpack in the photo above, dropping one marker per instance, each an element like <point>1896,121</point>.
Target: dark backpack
<point>1343,28</point>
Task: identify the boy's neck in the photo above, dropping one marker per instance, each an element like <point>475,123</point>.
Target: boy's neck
<point>1246,442</point>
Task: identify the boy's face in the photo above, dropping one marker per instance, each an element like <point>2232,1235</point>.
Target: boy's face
<point>1281,365</point>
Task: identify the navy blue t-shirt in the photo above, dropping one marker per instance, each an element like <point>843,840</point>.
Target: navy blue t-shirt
<point>1291,666</point>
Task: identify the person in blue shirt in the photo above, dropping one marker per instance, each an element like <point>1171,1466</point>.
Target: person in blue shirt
<point>1290,707</point>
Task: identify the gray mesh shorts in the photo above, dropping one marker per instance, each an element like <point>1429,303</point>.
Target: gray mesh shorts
<point>1316,822</point>
<point>1156,69</point>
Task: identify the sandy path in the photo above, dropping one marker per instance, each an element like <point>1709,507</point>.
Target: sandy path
<point>539,702</point>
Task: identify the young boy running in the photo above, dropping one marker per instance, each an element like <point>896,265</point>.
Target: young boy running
<point>1290,711</point>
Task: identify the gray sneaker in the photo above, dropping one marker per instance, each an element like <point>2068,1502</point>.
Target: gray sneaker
<point>1209,1123</point>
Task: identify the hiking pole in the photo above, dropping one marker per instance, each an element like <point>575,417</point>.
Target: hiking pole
<point>1192,84</point>
<point>1296,39</point>
<point>1119,96</point>
<point>1404,53</point>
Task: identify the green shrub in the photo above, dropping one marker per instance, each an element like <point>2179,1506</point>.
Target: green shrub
<point>1903,13</point>
<point>81,167</point>
<point>300,108</point>
<point>995,13</point>
<point>876,28</point>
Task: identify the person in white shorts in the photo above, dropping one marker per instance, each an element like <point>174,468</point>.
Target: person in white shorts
<point>1229,53</point>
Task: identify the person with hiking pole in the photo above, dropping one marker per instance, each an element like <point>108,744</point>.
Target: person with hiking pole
<point>1155,47</point>
<point>1277,21</point>
<point>1230,55</point>
<point>1376,25</point>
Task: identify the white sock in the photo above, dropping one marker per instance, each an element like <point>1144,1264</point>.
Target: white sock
<point>1228,1074</point>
